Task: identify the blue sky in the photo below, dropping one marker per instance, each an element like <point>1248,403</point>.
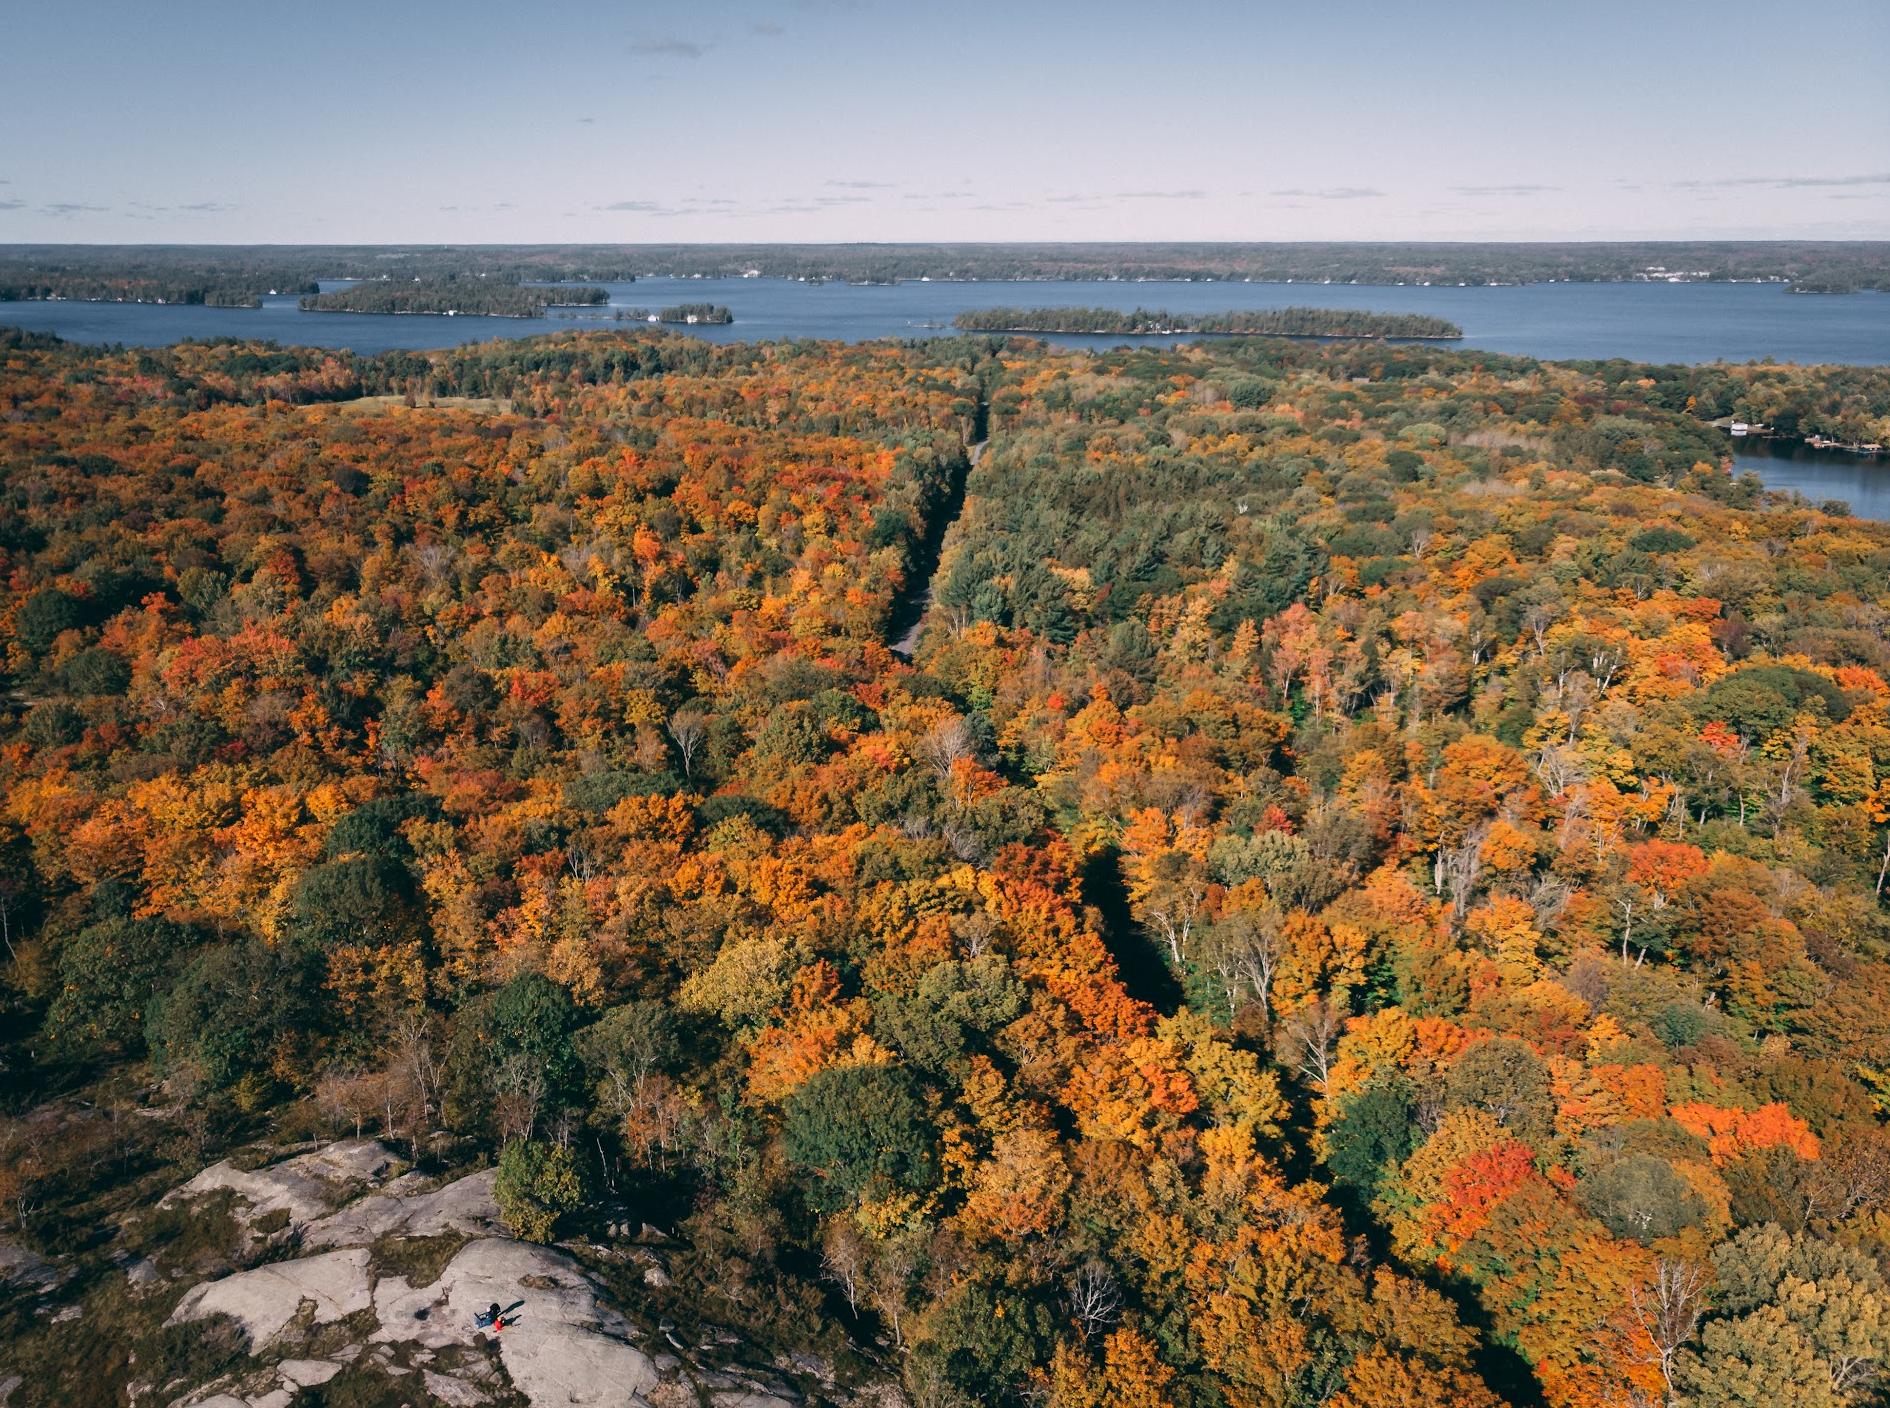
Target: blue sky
<point>415,120</point>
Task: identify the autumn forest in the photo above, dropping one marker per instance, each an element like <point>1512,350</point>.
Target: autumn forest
<point>1368,892</point>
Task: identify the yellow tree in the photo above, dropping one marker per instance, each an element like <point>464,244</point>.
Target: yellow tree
<point>1165,866</point>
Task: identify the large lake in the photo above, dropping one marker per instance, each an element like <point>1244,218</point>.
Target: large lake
<point>1640,322</point>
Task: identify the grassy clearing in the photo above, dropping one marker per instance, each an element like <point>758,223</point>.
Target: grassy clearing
<point>118,1338</point>
<point>419,1259</point>
<point>197,1236</point>
<point>479,405</point>
<point>388,1379</point>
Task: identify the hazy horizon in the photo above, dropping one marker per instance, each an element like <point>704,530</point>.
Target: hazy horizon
<point>1149,243</point>
<point>811,122</point>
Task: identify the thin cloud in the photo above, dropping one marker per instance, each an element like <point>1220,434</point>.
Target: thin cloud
<point>206,207</point>
<point>1163,195</point>
<point>767,29</point>
<point>687,205</point>
<point>1333,193</point>
<point>1518,190</point>
<point>862,185</point>
<point>669,47</point>
<point>71,207</point>
<point>586,121</point>
<point>1791,183</point>
<point>1877,178</point>
<point>12,205</point>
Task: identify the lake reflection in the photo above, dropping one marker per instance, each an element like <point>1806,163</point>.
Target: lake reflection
<point>1819,475</point>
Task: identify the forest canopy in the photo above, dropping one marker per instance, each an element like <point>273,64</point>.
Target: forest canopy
<point>1369,892</point>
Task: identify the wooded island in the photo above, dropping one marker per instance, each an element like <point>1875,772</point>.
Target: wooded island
<point>451,296</point>
<point>714,313</point>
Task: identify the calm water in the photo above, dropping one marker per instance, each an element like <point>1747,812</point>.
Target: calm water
<point>1640,322</point>
<point>1864,484</point>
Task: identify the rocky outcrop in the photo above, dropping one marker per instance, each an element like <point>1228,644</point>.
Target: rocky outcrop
<point>334,1286</point>
<point>566,1346</point>
<point>348,1306</point>
<point>408,1207</point>
<point>306,1187</point>
<point>20,1267</point>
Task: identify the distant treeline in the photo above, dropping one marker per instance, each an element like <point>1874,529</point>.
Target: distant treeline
<point>238,276</point>
<point>40,271</point>
<point>679,313</point>
<point>472,296</point>
<point>1267,322</point>
<point>1849,403</point>
<point>214,290</point>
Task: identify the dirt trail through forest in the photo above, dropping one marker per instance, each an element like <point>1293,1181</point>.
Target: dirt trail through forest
<point>908,617</point>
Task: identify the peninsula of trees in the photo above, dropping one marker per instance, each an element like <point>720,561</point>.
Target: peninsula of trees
<point>490,298</point>
<point>1258,322</point>
<point>221,288</point>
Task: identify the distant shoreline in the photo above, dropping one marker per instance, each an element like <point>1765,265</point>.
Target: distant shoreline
<point>255,307</point>
<point>1822,266</point>
<point>436,312</point>
<point>1217,332</point>
<point>1864,452</point>
<point>1313,324</point>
